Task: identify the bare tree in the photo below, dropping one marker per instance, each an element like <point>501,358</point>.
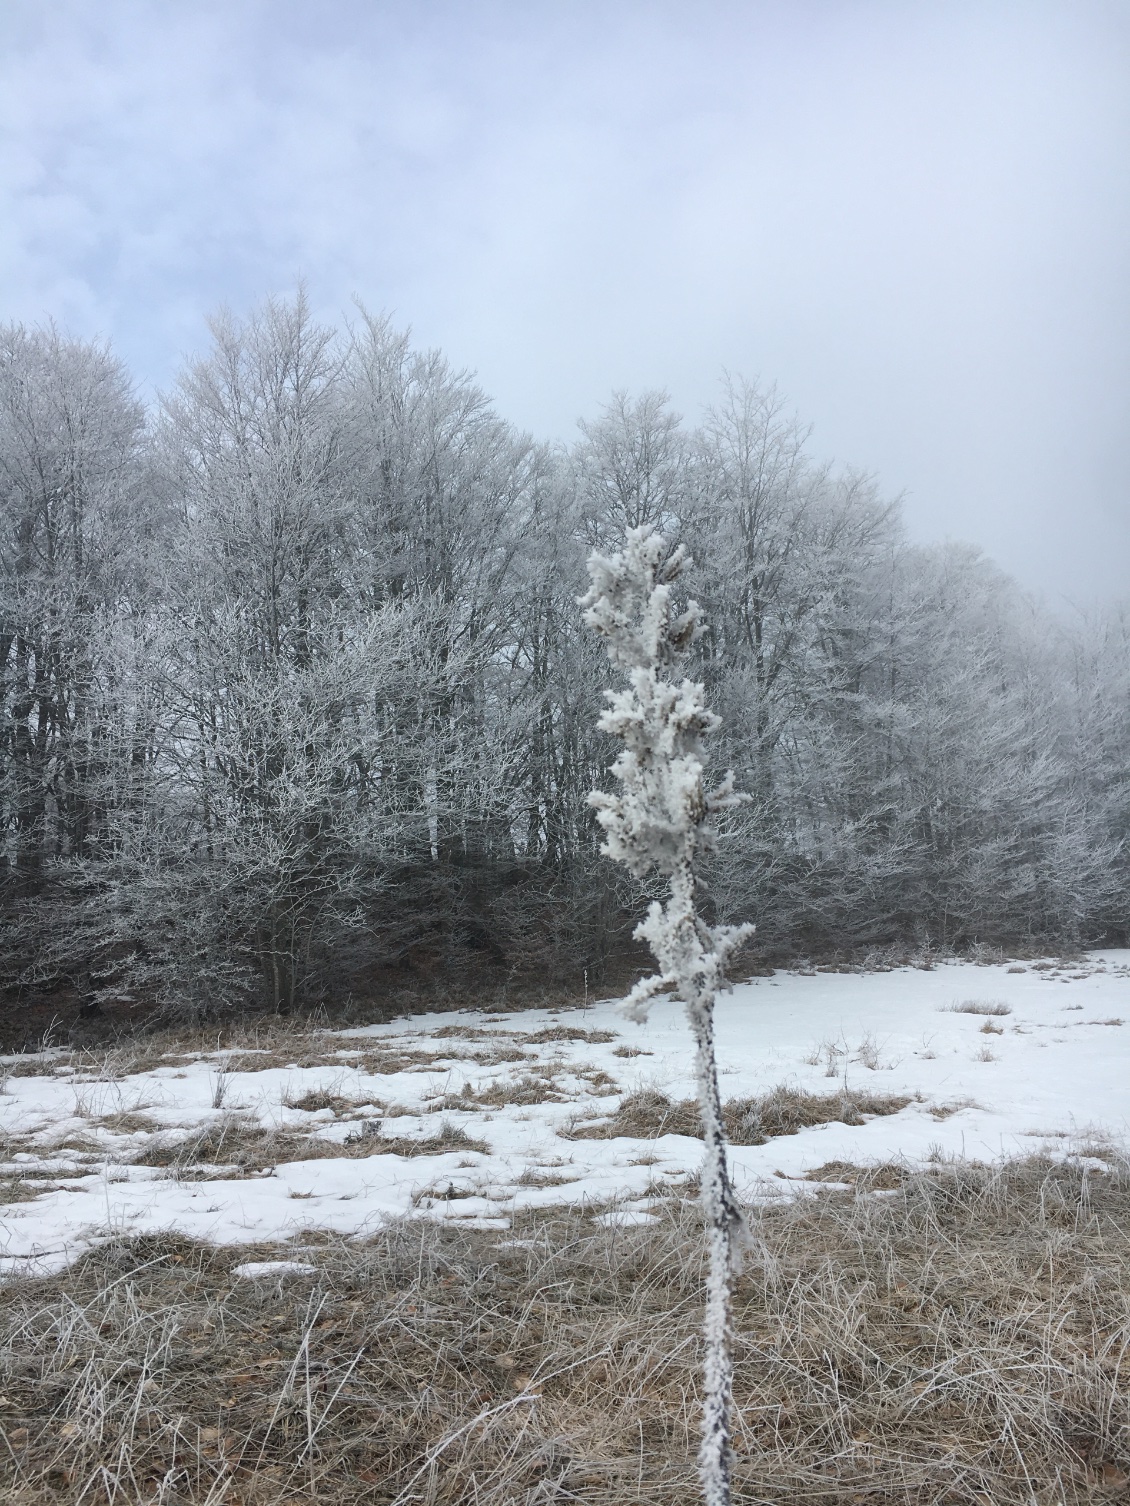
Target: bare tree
<point>70,523</point>
<point>633,466</point>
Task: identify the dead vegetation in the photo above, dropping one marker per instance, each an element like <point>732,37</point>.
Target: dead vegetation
<point>127,1122</point>
<point>979,1006</point>
<point>539,1085</point>
<point>749,1121</point>
<point>568,1033</point>
<point>296,1053</point>
<point>374,1061</point>
<point>961,1339</point>
<point>448,1137</point>
<point>317,1100</point>
<point>573,1033</point>
<point>542,1176</point>
<point>234,1146</point>
<point>16,1189</point>
<point>258,1044</point>
<point>531,1088</point>
<point>885,1177</point>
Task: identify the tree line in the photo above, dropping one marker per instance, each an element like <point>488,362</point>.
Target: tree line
<point>295,694</point>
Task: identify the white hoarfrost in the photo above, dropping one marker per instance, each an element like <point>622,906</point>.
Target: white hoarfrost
<point>659,821</point>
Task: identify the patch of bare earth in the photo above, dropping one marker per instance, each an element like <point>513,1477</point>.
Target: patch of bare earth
<point>961,1340</point>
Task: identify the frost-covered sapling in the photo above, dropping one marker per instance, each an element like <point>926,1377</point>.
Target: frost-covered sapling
<point>660,821</point>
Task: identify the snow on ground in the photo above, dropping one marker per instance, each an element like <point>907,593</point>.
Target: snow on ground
<point>1050,1071</point>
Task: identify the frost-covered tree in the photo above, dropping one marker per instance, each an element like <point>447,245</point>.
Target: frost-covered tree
<point>660,821</point>
<point>71,523</point>
<point>633,467</point>
<point>295,662</point>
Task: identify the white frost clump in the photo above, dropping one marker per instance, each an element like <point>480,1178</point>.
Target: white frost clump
<point>659,821</point>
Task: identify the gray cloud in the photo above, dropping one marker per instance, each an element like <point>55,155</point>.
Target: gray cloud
<point>914,217</point>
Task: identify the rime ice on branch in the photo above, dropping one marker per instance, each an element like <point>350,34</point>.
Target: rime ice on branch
<point>659,820</point>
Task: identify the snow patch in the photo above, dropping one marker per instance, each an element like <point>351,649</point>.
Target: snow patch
<point>1047,1091</point>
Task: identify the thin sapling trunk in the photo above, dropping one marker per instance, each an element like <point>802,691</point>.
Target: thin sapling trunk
<point>660,821</point>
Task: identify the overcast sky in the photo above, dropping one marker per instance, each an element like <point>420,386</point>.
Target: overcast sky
<point>913,216</point>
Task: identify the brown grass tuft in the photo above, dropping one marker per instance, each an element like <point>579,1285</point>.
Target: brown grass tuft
<point>885,1177</point>
<point>16,1189</point>
<point>231,1146</point>
<point>568,1033</point>
<point>524,1038</point>
<point>314,1100</point>
<point>534,1087</point>
<point>978,1006</point>
<point>128,1122</point>
<point>749,1121</point>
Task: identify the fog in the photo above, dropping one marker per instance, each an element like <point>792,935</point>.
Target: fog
<point>913,217</point>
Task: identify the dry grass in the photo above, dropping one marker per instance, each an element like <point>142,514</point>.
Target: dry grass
<point>539,1085</point>
<point>541,1176</point>
<point>534,1087</point>
<point>109,1064</point>
<point>599,1081</point>
<point>749,1121</point>
<point>254,1048</point>
<point>314,1100</point>
<point>127,1122</point>
<point>377,1062</point>
<point>15,1189</point>
<point>568,1033</point>
<point>948,1110</point>
<point>267,1045</point>
<point>40,1167</point>
<point>979,1006</point>
<point>521,1037</point>
<point>243,1149</point>
<point>962,1339</point>
<point>643,1115</point>
<point>296,1053</point>
<point>885,1177</point>
<point>447,1137</point>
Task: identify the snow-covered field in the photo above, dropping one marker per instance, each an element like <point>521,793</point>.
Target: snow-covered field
<point>91,1149</point>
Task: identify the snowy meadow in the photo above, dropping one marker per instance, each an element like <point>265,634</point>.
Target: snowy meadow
<point>458,1257</point>
<point>473,1118</point>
